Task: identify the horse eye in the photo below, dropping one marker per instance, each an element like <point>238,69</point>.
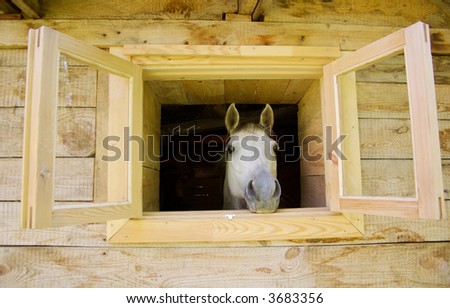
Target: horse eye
<point>276,147</point>
<point>230,149</point>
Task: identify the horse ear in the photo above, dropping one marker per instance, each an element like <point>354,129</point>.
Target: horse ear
<point>266,119</point>
<point>231,118</point>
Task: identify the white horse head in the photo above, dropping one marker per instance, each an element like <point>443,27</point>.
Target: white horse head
<point>250,180</point>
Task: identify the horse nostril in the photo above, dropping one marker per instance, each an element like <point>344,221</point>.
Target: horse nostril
<point>277,192</point>
<point>250,191</point>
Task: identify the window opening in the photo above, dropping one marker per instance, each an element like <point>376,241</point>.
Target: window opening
<point>193,139</point>
<point>375,114</point>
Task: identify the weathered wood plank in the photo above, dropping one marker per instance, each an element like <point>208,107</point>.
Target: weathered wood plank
<point>392,70</point>
<point>271,91</point>
<point>75,135</point>
<point>12,86</point>
<point>11,233</point>
<point>391,138</point>
<point>168,92</point>
<point>380,229</point>
<point>312,191</point>
<point>390,100</point>
<point>395,178</point>
<point>378,12</point>
<point>261,10</point>
<point>151,130</point>
<point>13,57</point>
<point>79,84</point>
<point>310,131</point>
<point>77,87</point>
<point>385,138</point>
<point>237,17</point>
<point>204,91</point>
<point>241,91</point>
<point>379,139</point>
<point>382,177</point>
<point>28,11</point>
<point>390,229</point>
<point>10,16</point>
<point>310,113</point>
<point>441,68</point>
<point>75,132</point>
<point>11,132</point>
<point>6,8</point>
<point>257,91</point>
<point>295,90</point>
<point>396,265</point>
<point>154,9</point>
<point>105,33</point>
<point>150,189</point>
<point>388,178</point>
<point>312,162</point>
<point>73,181</point>
<point>246,6</point>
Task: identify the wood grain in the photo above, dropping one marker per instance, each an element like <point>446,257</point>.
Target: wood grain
<point>168,92</point>
<point>214,226</point>
<point>261,92</point>
<point>75,132</point>
<point>395,265</point>
<point>295,90</point>
<point>87,260</point>
<point>204,91</point>
<point>12,86</point>
<point>11,233</point>
<point>310,133</point>
<point>104,33</point>
<point>388,178</point>
<point>390,100</point>
<point>380,229</point>
<point>154,9</point>
<point>360,12</point>
<point>80,84</point>
<point>312,191</point>
<point>391,138</point>
<point>13,57</point>
<point>74,179</point>
<point>392,70</point>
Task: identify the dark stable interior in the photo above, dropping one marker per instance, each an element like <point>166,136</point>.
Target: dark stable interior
<point>193,140</point>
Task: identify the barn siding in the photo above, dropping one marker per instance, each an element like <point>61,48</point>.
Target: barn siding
<point>393,265</point>
<point>403,252</point>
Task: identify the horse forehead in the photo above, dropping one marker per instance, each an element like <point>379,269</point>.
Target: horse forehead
<point>249,136</point>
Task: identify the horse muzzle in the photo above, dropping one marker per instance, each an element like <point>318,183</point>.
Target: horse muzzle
<point>262,198</point>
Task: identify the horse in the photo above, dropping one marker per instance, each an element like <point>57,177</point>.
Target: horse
<point>251,164</point>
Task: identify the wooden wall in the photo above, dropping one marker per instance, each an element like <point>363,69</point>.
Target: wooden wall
<point>394,252</point>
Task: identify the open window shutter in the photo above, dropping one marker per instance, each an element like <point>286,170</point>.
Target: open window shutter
<point>341,115</point>
<point>116,180</point>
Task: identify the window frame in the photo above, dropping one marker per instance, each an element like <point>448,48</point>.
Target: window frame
<point>428,203</point>
<point>38,208</point>
<point>170,62</point>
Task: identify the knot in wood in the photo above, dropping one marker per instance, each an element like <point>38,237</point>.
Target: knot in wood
<point>44,173</point>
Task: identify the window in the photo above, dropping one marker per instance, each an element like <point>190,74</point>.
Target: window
<point>227,62</point>
<point>413,44</point>
<point>118,182</point>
